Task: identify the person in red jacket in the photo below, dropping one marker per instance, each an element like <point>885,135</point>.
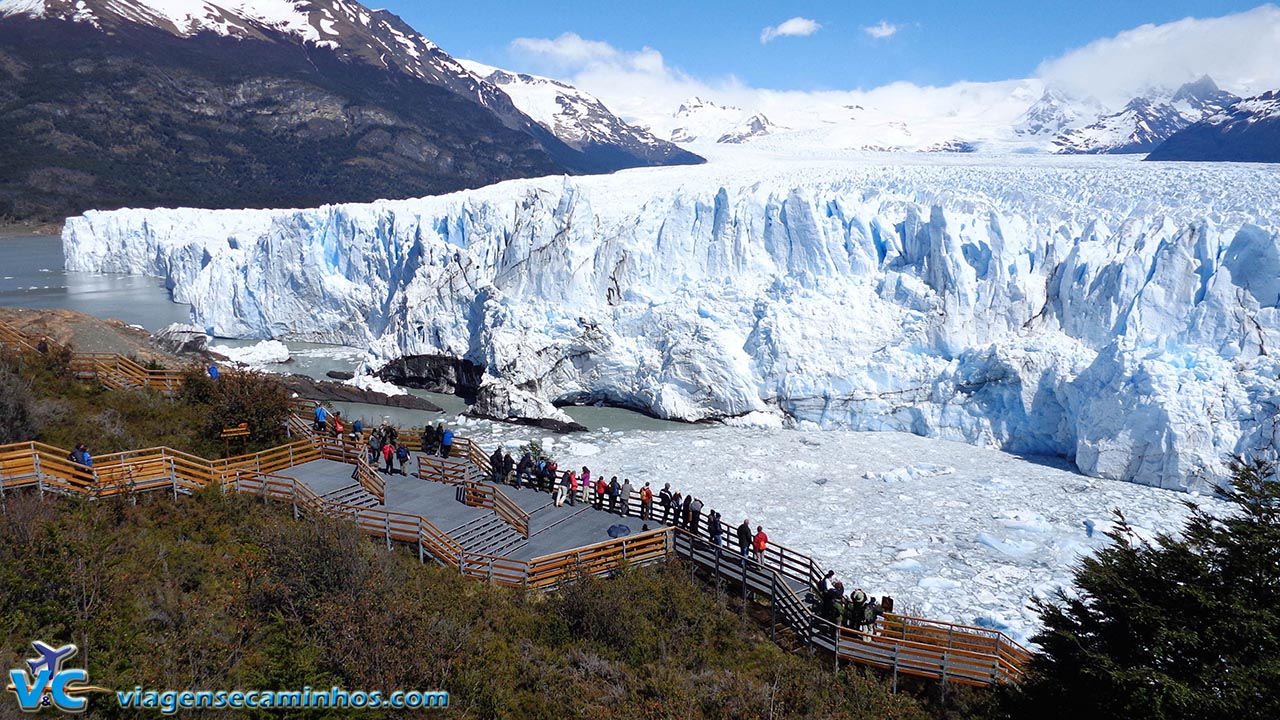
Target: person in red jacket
<point>759,543</point>
<point>601,489</point>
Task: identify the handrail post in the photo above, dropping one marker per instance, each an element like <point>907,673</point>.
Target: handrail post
<point>420,559</point>
<point>386,519</point>
<point>293,497</point>
<point>39,473</point>
<point>773,603</point>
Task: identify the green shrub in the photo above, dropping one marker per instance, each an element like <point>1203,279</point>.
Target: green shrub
<point>17,409</point>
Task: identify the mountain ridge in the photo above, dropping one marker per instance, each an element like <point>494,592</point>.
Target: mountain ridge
<point>114,103</point>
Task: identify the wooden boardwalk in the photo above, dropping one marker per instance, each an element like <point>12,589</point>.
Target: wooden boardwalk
<point>517,537</point>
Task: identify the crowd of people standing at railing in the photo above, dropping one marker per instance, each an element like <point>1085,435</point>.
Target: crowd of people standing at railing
<point>681,510</point>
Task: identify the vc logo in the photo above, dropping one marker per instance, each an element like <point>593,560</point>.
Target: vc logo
<point>48,684</point>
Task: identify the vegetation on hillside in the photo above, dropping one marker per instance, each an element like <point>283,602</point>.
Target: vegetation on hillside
<point>225,592</point>
<point>40,400</point>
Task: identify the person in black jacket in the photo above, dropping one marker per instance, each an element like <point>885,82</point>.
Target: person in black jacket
<point>695,515</point>
<point>664,499</point>
<point>744,540</point>
<point>686,511</point>
<point>524,471</point>
<point>495,465</point>
<point>508,468</point>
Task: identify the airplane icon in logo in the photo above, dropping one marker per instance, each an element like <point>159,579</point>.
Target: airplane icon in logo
<point>50,657</point>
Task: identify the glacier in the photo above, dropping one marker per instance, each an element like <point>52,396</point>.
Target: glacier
<point>1100,309</point>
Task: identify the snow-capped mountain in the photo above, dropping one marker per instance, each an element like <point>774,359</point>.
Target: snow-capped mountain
<point>249,103</point>
<point>1054,113</point>
<point>1248,131</point>
<point>1146,121</point>
<point>581,120</point>
<point>1120,314</point>
<point>697,119</point>
<point>755,126</point>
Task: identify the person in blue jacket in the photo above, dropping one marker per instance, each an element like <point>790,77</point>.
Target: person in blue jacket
<point>446,442</point>
<point>321,414</point>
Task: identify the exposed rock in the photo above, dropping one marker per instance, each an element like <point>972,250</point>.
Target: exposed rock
<point>313,389</point>
<point>181,338</point>
<point>340,374</point>
<point>499,400</point>
<point>435,373</point>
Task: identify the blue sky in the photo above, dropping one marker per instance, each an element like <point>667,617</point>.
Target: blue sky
<point>936,42</point>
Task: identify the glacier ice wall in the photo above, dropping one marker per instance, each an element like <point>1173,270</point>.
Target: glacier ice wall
<point>1122,315</point>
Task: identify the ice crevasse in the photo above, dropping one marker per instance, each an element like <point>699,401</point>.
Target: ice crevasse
<point>1121,314</point>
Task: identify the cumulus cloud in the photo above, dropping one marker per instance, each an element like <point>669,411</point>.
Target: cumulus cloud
<point>1241,52</point>
<point>882,30</point>
<point>795,27</point>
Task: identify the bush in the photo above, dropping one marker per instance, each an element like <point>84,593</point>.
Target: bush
<point>1179,628</point>
<point>17,409</point>
<point>237,396</point>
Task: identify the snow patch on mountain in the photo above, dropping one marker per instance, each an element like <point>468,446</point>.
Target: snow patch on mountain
<point>1118,313</point>
<point>578,118</point>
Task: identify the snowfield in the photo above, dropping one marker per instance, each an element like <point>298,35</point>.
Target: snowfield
<point>1112,312</point>
<point>952,532</point>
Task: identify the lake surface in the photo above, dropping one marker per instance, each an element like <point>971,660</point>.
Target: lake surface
<point>32,276</point>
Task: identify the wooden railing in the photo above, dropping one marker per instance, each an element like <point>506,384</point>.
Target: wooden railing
<point>484,495</point>
<point>947,652</point>
<point>345,450</point>
<point>437,469</point>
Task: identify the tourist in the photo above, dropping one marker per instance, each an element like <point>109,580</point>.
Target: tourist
<point>446,442</point>
<point>715,529</point>
<point>375,446</point>
<point>871,612</point>
<point>551,473</point>
<point>585,479</point>
<point>601,490</point>
<point>685,510</point>
<point>854,610</point>
<point>80,456</point>
<point>744,539</point>
<point>695,515</point>
<point>321,416</point>
<point>388,454</point>
<point>357,430</point>
<point>832,601</point>
<point>615,489</point>
<point>646,502</point>
<point>561,489</point>
<point>524,470</point>
<point>664,499</point>
<point>676,500</point>
<point>759,543</point>
<point>495,465</point>
<point>573,488</point>
<point>402,456</point>
<point>825,583</point>
<point>508,468</point>
<point>337,424</point>
<point>624,498</point>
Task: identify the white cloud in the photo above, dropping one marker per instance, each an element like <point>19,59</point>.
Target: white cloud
<point>1241,52</point>
<point>882,30</point>
<point>795,27</point>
